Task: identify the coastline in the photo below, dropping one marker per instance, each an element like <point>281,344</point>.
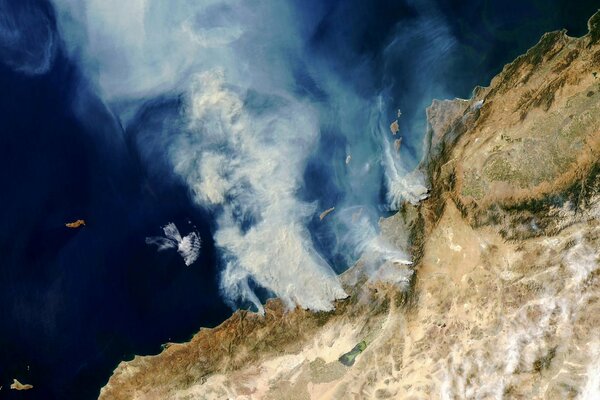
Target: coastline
<point>497,205</point>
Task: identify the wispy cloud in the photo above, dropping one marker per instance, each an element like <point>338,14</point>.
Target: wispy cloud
<point>188,246</point>
<point>27,37</point>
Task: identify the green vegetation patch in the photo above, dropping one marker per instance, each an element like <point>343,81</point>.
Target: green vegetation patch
<point>349,358</point>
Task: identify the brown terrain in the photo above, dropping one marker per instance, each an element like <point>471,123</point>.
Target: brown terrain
<point>16,385</point>
<point>75,224</point>
<point>504,297</point>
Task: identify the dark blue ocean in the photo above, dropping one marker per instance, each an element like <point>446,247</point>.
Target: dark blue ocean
<point>75,302</point>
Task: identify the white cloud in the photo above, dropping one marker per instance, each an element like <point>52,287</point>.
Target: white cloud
<point>187,246</point>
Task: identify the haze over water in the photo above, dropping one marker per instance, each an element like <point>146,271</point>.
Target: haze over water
<point>233,121</point>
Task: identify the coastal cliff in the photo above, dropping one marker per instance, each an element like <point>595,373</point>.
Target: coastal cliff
<point>504,299</point>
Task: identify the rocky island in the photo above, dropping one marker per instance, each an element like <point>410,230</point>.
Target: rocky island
<point>504,297</point>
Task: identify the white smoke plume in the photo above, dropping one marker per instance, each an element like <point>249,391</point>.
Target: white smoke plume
<point>245,131</point>
<point>187,246</point>
<point>401,184</point>
<point>251,165</point>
